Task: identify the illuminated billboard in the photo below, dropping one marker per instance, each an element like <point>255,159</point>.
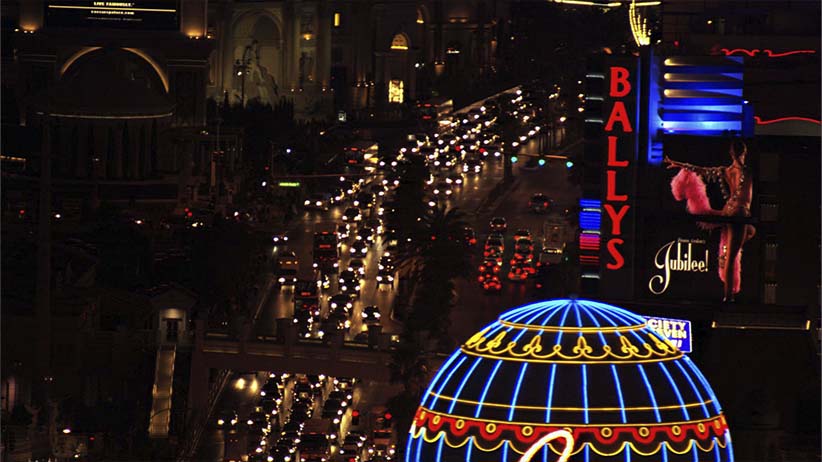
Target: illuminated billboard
<point>696,221</point>
<point>676,331</point>
<point>134,14</point>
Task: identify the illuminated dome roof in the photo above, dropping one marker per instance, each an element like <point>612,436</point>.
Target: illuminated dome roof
<point>622,390</point>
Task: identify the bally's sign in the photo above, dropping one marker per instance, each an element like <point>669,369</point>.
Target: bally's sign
<point>681,255</point>
<point>676,331</point>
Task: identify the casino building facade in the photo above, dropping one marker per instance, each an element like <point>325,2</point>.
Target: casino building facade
<point>123,88</point>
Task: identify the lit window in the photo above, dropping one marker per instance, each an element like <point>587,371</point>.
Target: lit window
<point>337,18</point>
<point>395,91</point>
<point>399,42</point>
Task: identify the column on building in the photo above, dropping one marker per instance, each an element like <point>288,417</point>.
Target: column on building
<point>323,37</point>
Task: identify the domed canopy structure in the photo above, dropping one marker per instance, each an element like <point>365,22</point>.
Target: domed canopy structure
<point>621,390</point>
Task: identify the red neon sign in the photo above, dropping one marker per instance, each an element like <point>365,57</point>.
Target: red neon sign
<point>768,52</point>
<point>615,204</point>
<point>759,120</point>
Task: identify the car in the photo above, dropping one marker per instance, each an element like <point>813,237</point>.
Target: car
<point>358,248</point>
<point>385,277</point>
<point>365,234</point>
<point>272,390</point>
<point>498,224</point>
<point>335,322</point>
<point>496,235</point>
<point>364,200</point>
<point>350,283</point>
<point>352,214</point>
<point>305,323</point>
<point>343,231</point>
<point>386,263</point>
<point>375,225</point>
<point>454,179</point>
<point>333,409</point>
<point>493,245</point>
<point>492,150</point>
<point>357,266</point>
<point>301,413</point>
<point>318,201</point>
<point>441,187</point>
<point>490,264</point>
<point>550,256</point>
<point>352,446</point>
<point>337,194</point>
<point>226,419</point>
<point>345,383</point>
<point>522,234</point>
<point>371,315</point>
<point>257,419</point>
<point>280,238</point>
<point>524,246</point>
<point>345,396</point>
<point>469,236</point>
<point>519,271</point>
<point>494,254</point>
<point>340,301</point>
<point>539,203</point>
<point>286,277</point>
<point>472,167</point>
<point>492,283</point>
<point>323,281</point>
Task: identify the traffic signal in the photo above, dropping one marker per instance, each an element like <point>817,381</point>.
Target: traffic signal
<point>569,164</point>
<point>514,159</point>
<point>355,417</point>
<point>386,421</point>
<point>541,162</point>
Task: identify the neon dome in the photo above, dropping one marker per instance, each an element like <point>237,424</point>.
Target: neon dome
<point>568,380</point>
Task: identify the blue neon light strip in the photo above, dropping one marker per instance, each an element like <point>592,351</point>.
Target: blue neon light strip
<point>439,448</point>
<point>487,387</point>
<point>650,392</point>
<point>516,390</point>
<point>585,393</point>
<point>548,402</point>
<point>592,203</point>
<point>704,383</point>
<point>676,391</point>
<point>462,384</point>
<point>445,382</point>
<point>694,388</point>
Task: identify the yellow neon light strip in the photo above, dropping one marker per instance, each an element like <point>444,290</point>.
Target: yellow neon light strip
<point>576,425</point>
<point>542,408</point>
<point>112,8</point>
<point>592,330</point>
<point>423,433</point>
<point>565,361</point>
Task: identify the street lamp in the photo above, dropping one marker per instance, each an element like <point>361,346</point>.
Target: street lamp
<point>242,66</point>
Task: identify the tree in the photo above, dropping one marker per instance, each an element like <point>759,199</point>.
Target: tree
<point>222,261</point>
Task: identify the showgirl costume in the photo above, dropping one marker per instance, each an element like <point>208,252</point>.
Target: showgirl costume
<point>688,185</point>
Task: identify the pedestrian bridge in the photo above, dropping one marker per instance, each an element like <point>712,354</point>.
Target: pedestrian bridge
<point>288,353</point>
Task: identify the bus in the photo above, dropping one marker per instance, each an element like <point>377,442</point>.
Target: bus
<point>435,111</point>
<point>326,249</point>
<point>363,154</point>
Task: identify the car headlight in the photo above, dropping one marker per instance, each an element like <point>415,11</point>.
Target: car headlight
<point>220,422</point>
<point>307,202</point>
<point>281,280</point>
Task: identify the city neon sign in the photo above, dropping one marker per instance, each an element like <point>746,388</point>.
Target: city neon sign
<point>618,125</point>
<point>676,331</point>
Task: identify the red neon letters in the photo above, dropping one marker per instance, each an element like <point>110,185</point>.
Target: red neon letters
<point>620,87</point>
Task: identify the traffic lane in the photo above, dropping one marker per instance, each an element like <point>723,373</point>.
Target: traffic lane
<point>240,399</point>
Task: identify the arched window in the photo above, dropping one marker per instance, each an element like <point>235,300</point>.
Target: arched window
<point>399,42</point>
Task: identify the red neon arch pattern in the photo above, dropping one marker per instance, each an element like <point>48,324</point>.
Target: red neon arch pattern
<point>760,121</point>
<point>751,52</point>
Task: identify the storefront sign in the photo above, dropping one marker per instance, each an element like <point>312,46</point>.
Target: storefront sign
<point>616,204</point>
<point>677,331</point>
<point>681,255</point>
<point>120,14</point>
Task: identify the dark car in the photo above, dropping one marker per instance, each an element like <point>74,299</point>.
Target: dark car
<point>333,409</point>
<point>336,322</point>
<point>371,315</point>
<point>305,322</point>
<point>539,203</point>
<point>340,302</point>
<point>472,167</point>
<point>350,283</point>
<point>498,225</point>
<point>352,214</point>
<point>364,200</point>
<point>385,278</point>
<point>469,236</point>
